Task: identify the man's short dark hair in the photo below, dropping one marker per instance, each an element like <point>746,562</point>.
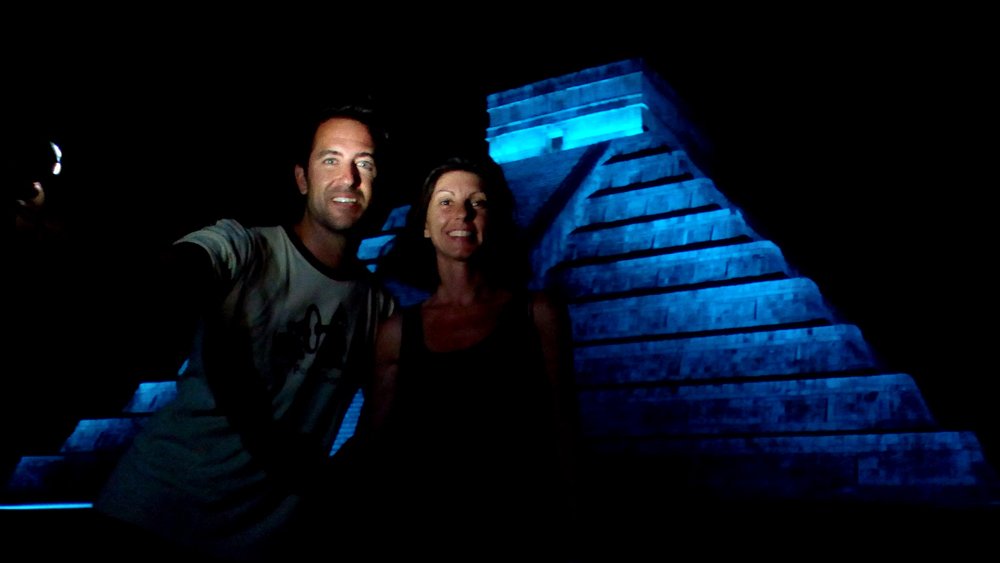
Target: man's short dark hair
<point>363,112</point>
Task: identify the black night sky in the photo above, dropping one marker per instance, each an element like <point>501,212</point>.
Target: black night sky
<point>858,146</point>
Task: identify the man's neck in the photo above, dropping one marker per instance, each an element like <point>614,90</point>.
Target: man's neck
<point>329,247</point>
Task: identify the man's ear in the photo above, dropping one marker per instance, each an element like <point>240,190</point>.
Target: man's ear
<point>300,179</point>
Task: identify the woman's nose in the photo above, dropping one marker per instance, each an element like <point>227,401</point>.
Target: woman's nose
<point>470,211</point>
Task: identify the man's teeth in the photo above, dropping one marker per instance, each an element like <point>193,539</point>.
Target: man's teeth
<point>459,233</point>
<point>345,200</point>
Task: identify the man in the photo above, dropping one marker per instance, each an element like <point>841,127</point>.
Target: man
<point>286,318</point>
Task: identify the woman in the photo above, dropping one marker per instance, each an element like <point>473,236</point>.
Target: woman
<point>472,403</point>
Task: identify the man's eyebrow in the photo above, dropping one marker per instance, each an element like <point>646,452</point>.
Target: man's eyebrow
<point>325,152</point>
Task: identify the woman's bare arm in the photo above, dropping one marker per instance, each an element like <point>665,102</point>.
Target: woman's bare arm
<point>383,390</point>
<point>553,323</point>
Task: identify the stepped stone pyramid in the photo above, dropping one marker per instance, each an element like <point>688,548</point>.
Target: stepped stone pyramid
<point>704,362</point>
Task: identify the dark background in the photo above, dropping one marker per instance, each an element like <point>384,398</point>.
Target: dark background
<point>860,144</point>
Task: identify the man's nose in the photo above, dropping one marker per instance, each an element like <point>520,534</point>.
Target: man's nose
<point>351,176</point>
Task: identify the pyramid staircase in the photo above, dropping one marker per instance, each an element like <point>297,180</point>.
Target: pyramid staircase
<point>698,345</point>
<point>706,366</point>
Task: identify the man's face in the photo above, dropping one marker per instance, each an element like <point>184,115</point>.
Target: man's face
<point>338,186</point>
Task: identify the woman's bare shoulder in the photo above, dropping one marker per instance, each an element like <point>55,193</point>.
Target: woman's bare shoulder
<point>548,307</point>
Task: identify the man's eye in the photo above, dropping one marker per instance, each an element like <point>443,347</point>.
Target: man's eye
<point>366,164</point>
<point>330,160</point>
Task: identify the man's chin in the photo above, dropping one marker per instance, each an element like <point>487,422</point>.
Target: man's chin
<point>344,225</point>
<point>345,218</point>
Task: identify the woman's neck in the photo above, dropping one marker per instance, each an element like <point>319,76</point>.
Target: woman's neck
<point>461,285</point>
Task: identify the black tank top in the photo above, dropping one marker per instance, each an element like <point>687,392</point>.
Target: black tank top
<point>472,438</point>
<point>487,401</point>
<point>476,418</point>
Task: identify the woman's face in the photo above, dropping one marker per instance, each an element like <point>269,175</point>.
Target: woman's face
<point>457,215</point>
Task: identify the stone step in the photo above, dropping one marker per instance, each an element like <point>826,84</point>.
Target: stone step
<point>102,434</point>
<point>679,314</point>
<point>69,477</point>
<point>641,160</point>
<point>680,270</point>
<point>921,469</point>
<point>150,396</point>
<point>833,404</point>
<point>814,350</point>
<point>711,227</point>
<point>662,195</point>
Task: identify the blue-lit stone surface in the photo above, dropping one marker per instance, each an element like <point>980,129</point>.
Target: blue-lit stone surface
<point>396,218</point>
<point>678,270</point>
<point>835,404</point>
<point>937,468</point>
<point>150,396</point>
<point>370,247</point>
<point>349,424</point>
<point>569,134</point>
<point>102,434</point>
<point>701,228</point>
<point>754,305</point>
<point>31,472</point>
<point>72,477</point>
<point>48,506</point>
<point>774,353</point>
